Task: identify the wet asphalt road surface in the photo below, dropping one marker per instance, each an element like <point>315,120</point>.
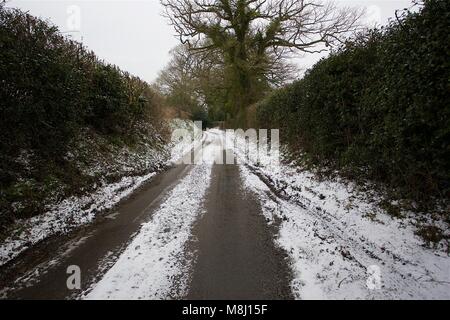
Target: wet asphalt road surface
<point>237,256</point>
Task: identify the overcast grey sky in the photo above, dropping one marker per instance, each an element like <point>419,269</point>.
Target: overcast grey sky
<point>133,35</point>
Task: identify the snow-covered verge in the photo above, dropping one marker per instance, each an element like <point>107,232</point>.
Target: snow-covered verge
<point>341,243</point>
<point>116,171</point>
<point>66,215</point>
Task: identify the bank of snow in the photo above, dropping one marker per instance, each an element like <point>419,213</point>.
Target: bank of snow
<point>341,243</point>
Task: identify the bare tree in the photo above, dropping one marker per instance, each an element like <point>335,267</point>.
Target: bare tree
<point>177,81</point>
<point>191,81</point>
<point>256,36</point>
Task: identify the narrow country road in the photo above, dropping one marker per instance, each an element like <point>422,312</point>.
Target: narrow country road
<point>192,232</point>
<point>226,231</point>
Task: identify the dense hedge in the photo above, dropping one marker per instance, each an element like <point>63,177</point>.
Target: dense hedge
<point>51,90</point>
<point>51,86</point>
<point>379,105</point>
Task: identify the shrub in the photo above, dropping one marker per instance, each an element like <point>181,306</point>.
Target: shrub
<point>50,89</point>
<point>379,105</point>
<point>52,86</point>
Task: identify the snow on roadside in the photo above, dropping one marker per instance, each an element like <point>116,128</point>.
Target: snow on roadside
<point>75,211</point>
<point>155,264</point>
<point>341,245</point>
<point>71,212</point>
